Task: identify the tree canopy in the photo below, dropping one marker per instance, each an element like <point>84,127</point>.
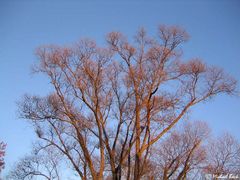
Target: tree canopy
<point>111,105</point>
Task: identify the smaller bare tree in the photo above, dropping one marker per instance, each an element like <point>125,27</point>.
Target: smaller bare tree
<point>43,165</point>
<point>182,153</point>
<point>223,156</point>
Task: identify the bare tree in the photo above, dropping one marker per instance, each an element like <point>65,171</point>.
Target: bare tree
<point>110,105</point>
<point>223,156</point>
<point>182,153</point>
<point>2,154</point>
<point>42,165</point>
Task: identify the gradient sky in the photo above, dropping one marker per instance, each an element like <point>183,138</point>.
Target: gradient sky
<point>214,28</point>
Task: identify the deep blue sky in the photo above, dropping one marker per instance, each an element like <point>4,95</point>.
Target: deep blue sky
<point>24,25</point>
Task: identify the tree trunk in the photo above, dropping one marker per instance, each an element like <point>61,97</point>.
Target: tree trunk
<point>137,167</point>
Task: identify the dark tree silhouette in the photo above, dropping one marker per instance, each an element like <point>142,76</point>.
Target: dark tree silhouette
<point>2,154</point>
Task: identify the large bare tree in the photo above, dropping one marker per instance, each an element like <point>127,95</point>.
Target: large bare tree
<point>111,104</point>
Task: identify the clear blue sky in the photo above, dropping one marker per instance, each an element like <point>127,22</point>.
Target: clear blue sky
<point>24,25</point>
